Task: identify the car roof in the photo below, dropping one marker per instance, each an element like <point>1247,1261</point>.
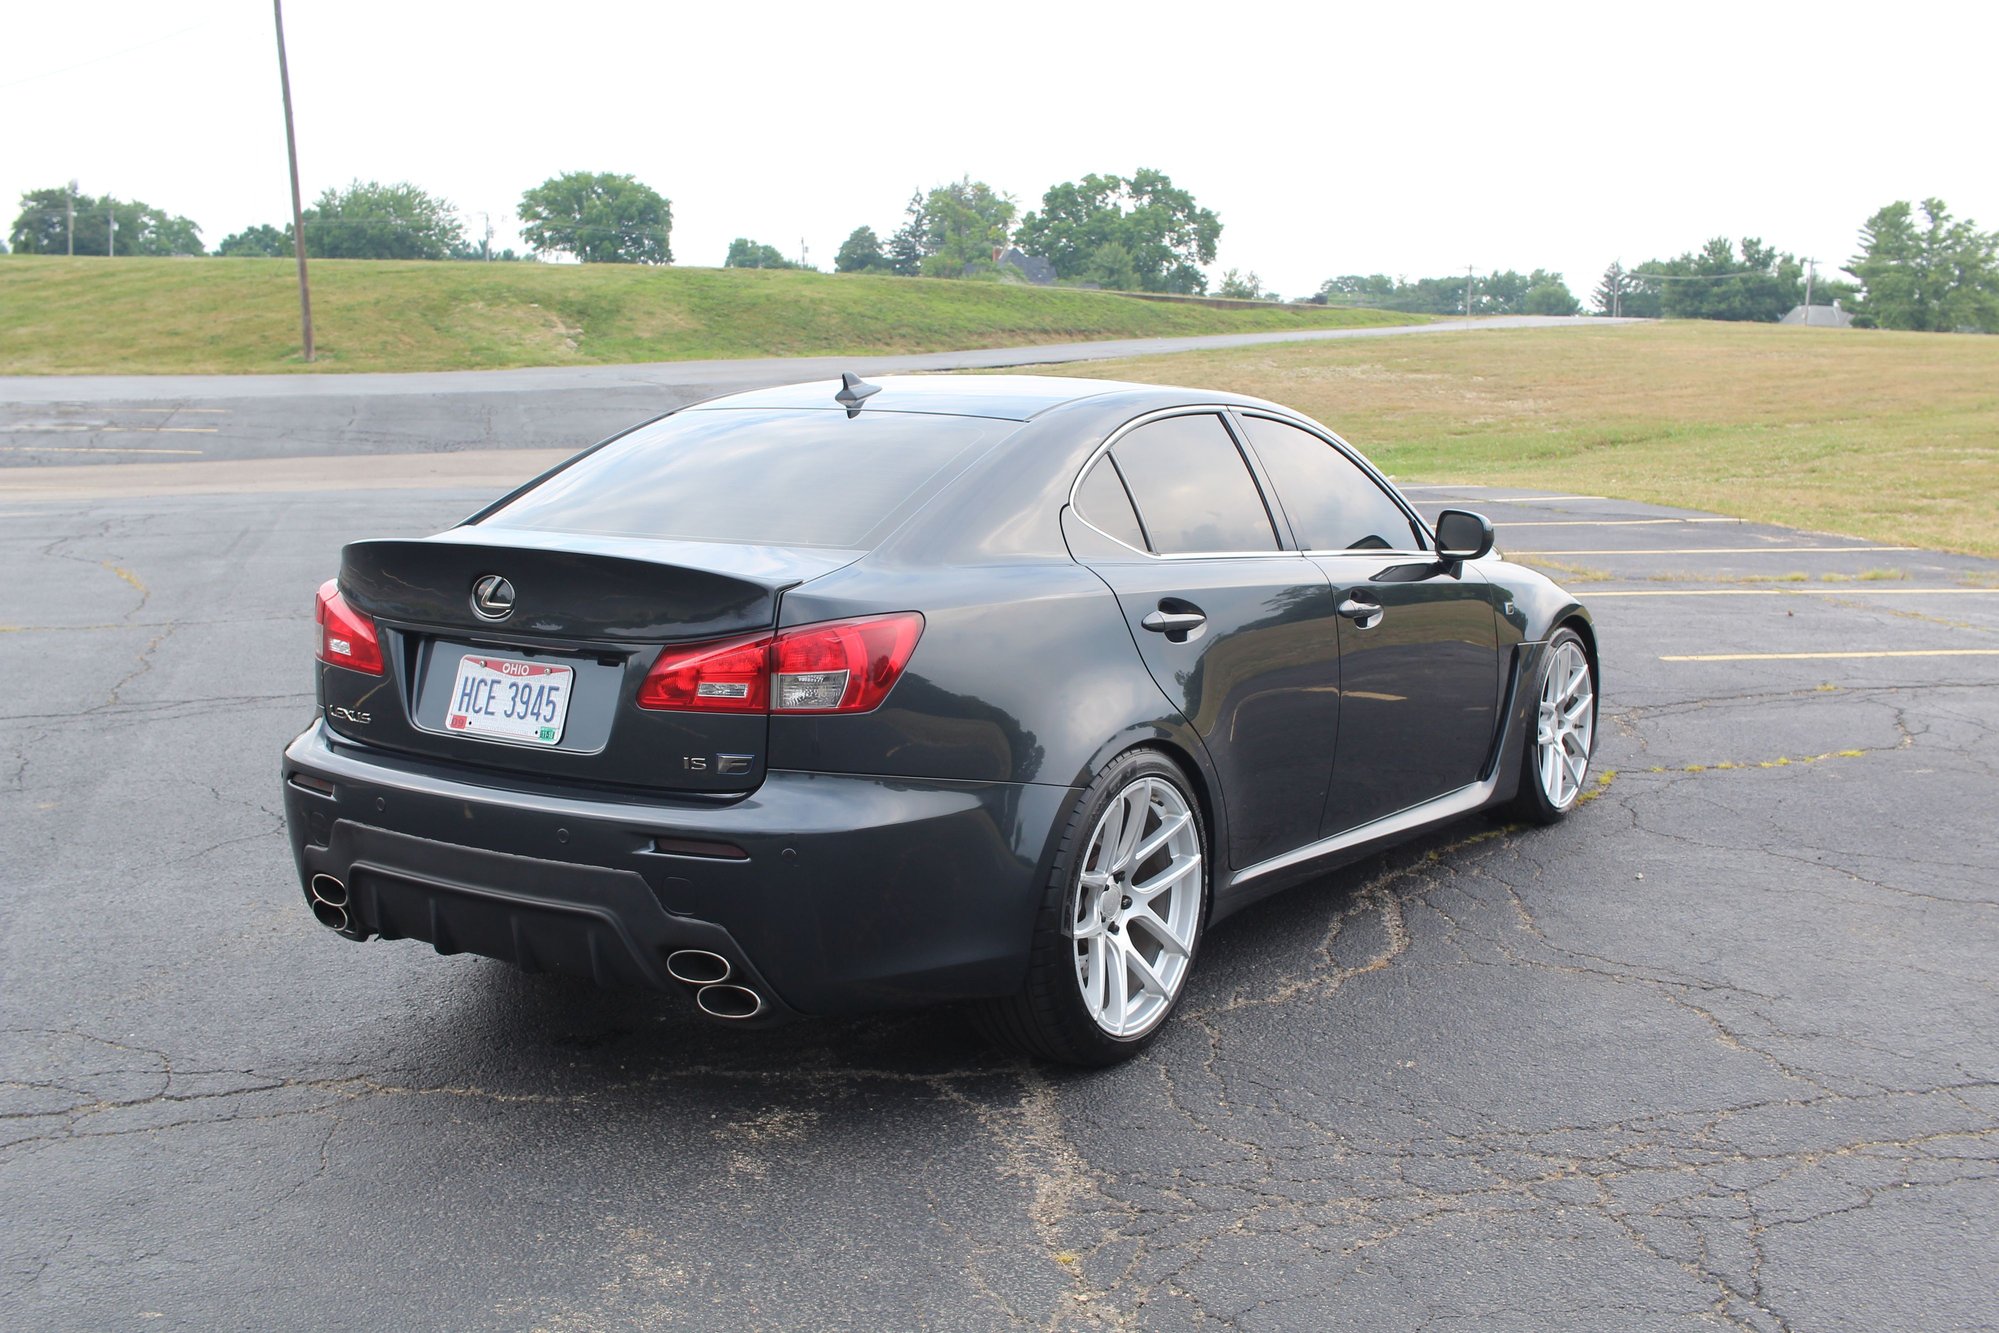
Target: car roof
<point>1005,397</point>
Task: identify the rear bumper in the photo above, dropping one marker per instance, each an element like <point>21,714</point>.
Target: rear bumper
<point>827,893</point>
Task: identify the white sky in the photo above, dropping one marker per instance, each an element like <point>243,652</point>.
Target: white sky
<point>1411,139</point>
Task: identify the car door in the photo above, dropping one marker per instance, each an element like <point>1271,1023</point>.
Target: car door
<point>1420,670</point>
<point>1238,632</point>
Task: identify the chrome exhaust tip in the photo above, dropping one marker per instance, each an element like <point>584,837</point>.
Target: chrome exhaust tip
<point>331,915</point>
<point>697,967</point>
<point>734,1003</point>
<point>326,889</point>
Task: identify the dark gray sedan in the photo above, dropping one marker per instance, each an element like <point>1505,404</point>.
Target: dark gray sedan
<point>843,695</point>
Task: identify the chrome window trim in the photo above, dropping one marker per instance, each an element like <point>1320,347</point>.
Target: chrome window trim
<point>1352,455</point>
<point>1220,410</point>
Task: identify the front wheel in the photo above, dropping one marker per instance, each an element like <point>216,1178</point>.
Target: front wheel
<point>1120,923</point>
<point>1564,734</point>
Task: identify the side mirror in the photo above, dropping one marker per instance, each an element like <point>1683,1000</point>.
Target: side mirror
<point>1463,535</point>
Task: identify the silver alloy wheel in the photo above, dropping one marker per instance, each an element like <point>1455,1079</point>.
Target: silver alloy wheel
<point>1566,726</point>
<point>1136,907</point>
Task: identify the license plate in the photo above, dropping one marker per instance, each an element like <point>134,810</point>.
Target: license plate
<point>498,698</point>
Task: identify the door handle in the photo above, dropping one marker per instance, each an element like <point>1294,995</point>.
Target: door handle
<point>1173,622</point>
<point>1364,613</point>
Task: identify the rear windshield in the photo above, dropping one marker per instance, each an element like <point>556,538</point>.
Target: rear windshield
<point>796,478</point>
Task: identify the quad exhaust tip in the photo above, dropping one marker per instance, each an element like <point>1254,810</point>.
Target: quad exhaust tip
<point>734,1003</point>
<point>698,967</point>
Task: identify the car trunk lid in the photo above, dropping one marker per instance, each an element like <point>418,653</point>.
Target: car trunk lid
<point>553,655</point>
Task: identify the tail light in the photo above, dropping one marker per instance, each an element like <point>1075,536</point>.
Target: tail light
<point>838,666</point>
<point>346,637</point>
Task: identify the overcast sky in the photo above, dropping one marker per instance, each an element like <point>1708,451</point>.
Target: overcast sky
<point>1410,139</point>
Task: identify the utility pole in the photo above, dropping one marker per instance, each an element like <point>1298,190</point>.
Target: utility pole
<point>1811,266</point>
<point>69,219</point>
<point>1468,270</point>
<point>110,230</point>
<point>298,211</point>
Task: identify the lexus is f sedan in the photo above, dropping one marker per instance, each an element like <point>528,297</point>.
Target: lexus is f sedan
<point>841,696</point>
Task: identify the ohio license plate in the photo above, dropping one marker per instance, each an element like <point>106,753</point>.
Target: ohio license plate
<point>499,698</point>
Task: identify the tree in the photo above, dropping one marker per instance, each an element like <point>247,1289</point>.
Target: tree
<point>1166,235</point>
<point>1717,282</point>
<point>599,218</point>
<point>964,221</point>
<point>1238,286</point>
<point>905,248</point>
<point>262,241</point>
<point>861,252</point>
<point>746,253</point>
<point>42,226</point>
<point>1941,277</point>
<point>1621,293</point>
<point>370,220</point>
<point>1548,294</point>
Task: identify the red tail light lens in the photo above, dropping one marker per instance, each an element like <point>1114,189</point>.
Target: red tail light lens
<point>346,637</point>
<point>838,666</point>
<point>728,677</point>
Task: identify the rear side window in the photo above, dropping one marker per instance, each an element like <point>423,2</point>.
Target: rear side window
<point>1104,502</point>
<point>776,478</point>
<point>1193,490</point>
<point>1333,505</point>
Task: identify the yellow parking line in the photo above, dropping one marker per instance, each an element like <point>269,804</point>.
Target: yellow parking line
<point>1869,589</point>
<point>1722,550</point>
<point>1802,657</point>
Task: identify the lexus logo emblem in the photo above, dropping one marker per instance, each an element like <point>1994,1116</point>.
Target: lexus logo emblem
<point>492,597</point>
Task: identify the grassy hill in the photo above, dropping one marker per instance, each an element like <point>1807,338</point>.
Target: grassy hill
<point>85,316</point>
<point>1891,436</point>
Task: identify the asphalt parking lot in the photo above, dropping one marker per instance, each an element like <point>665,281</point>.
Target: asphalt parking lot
<point>1722,1048</point>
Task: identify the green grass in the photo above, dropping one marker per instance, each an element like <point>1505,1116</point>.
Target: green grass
<point>1889,436</point>
<point>151,316</point>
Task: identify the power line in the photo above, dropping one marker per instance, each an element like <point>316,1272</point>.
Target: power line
<point>108,55</point>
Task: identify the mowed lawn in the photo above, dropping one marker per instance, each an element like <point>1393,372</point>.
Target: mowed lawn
<point>195,316</point>
<point>1888,436</point>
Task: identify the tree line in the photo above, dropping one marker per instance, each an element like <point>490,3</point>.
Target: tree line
<point>1935,273</point>
<point>1918,267</point>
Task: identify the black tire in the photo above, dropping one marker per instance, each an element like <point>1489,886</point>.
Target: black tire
<point>1050,1019</point>
<point>1534,803</point>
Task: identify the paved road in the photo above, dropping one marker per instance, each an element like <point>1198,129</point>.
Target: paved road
<point>1723,1049</point>
<point>136,418</point>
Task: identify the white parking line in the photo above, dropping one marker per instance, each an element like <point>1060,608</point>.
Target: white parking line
<point>103,449</point>
<point>79,428</point>
<point>1839,590</point>
<point>1608,522</point>
<point>1720,550</point>
<point>1803,657</point>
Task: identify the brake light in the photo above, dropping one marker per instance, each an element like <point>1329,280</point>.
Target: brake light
<point>838,666</point>
<point>346,638</point>
<point>727,677</point>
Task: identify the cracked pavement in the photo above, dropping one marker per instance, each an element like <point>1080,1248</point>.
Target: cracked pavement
<point>1719,1050</point>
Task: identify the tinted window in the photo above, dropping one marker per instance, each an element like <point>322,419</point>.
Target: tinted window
<point>801,478</point>
<point>1103,501</point>
<point>1332,504</point>
<point>1193,490</point>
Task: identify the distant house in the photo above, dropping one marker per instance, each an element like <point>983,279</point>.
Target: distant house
<point>1819,316</point>
<point>1034,268</point>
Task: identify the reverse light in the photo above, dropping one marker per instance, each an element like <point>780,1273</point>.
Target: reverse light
<point>837,666</point>
<point>346,638</point>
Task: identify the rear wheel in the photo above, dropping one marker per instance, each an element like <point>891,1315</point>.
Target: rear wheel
<point>1120,922</point>
<point>1564,734</point>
